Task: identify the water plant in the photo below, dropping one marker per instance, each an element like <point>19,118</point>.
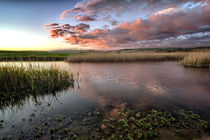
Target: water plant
<point>147,125</point>
<point>18,83</point>
<point>199,59</point>
<point>134,124</point>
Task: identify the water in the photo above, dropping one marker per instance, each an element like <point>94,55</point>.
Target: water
<point>159,85</point>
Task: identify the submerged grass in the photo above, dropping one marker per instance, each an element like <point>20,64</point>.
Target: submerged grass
<point>126,57</point>
<point>120,123</point>
<point>131,124</point>
<point>199,59</point>
<point>17,83</point>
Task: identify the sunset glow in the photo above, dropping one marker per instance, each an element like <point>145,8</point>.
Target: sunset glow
<point>104,69</point>
<point>18,40</point>
<point>166,11</point>
<point>103,24</point>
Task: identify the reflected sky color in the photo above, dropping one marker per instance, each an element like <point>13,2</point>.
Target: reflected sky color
<point>160,85</point>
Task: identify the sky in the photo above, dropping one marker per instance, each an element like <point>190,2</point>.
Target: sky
<point>103,24</point>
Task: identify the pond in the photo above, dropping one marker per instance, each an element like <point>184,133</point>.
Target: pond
<point>151,85</point>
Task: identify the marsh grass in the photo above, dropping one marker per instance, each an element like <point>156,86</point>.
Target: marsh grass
<point>198,59</point>
<point>17,83</point>
<point>126,57</point>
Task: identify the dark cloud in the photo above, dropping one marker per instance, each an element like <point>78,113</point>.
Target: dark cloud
<point>84,18</point>
<point>28,1</point>
<point>164,26</point>
<point>114,22</point>
<point>66,30</point>
<point>107,7</point>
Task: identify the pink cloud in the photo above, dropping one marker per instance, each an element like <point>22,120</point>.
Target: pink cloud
<point>83,18</point>
<point>165,24</point>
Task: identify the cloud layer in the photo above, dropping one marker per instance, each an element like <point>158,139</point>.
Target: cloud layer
<point>168,23</point>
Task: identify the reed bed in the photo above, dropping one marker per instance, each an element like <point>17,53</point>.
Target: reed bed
<point>198,59</point>
<point>126,57</point>
<point>17,83</point>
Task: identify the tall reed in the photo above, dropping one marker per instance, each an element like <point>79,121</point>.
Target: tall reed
<point>198,59</point>
<point>20,82</point>
<point>126,57</point>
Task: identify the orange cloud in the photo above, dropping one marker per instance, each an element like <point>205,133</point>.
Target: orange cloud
<point>165,24</point>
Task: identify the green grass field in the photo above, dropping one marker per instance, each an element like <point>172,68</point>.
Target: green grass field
<point>191,57</point>
<point>61,55</point>
<point>32,56</point>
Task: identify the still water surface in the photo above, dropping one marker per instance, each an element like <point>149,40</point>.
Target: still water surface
<point>159,85</point>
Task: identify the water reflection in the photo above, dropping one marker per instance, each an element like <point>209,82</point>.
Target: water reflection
<point>165,85</point>
<point>156,89</point>
<point>165,82</point>
<point>160,85</point>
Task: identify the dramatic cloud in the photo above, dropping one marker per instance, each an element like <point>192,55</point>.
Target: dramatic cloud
<point>171,23</point>
<point>84,18</point>
<point>109,7</point>
<point>66,30</point>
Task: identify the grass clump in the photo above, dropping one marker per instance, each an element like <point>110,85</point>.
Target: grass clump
<point>126,57</point>
<point>17,83</point>
<point>199,59</point>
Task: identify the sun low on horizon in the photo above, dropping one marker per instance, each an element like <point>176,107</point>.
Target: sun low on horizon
<point>103,24</point>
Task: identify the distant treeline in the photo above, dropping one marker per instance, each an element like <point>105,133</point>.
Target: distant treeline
<point>166,49</point>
